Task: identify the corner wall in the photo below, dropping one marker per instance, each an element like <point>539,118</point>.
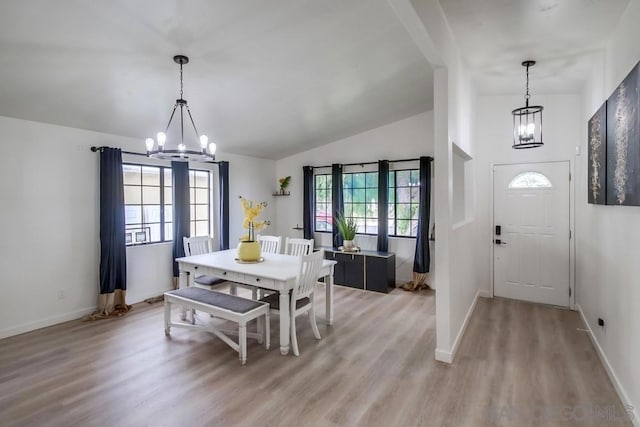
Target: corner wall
<point>608,243</point>
<point>49,223</point>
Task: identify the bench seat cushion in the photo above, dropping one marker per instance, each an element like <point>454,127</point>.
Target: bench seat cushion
<point>274,301</point>
<point>217,299</point>
<point>208,280</point>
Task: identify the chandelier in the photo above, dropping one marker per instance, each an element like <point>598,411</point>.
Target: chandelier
<point>162,150</point>
<point>527,120</point>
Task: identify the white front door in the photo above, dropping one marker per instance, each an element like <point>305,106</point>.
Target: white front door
<point>532,232</point>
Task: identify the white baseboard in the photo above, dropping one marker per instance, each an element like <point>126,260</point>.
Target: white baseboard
<point>622,394</point>
<point>447,356</point>
<point>485,293</point>
<point>43,323</point>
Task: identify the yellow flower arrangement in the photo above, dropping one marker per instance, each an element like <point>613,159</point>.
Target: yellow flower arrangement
<point>252,211</point>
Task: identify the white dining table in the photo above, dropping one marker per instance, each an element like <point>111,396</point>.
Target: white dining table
<point>277,272</point>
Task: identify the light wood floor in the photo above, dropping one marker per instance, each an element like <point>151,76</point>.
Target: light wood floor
<point>519,364</point>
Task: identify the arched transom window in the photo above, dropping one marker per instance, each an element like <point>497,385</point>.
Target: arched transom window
<point>530,180</point>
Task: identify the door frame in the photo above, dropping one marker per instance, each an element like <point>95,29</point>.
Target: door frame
<point>572,245</point>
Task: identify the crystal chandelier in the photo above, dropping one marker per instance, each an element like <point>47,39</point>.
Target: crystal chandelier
<point>164,151</point>
<point>527,121</point>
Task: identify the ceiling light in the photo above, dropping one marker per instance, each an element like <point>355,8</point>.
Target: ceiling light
<point>182,152</point>
<point>527,120</point>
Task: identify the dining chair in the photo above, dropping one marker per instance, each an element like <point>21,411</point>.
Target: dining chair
<point>302,296</point>
<point>203,245</point>
<point>270,244</point>
<point>298,247</point>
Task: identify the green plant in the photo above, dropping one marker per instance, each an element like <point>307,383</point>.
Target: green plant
<point>347,227</point>
<point>284,182</point>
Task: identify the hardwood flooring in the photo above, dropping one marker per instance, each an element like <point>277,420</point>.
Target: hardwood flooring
<point>519,364</point>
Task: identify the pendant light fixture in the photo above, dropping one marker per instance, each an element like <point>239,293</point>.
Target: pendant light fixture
<point>527,121</point>
<point>167,150</point>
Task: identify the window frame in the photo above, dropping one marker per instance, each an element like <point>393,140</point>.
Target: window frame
<point>395,201</point>
<point>327,176</point>
<point>162,187</point>
<point>143,225</point>
<point>365,203</point>
<point>193,203</point>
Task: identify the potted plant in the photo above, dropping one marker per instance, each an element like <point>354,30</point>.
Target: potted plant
<point>347,227</point>
<point>249,246</point>
<point>284,183</point>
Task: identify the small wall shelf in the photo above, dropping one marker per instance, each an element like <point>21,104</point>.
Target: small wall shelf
<point>278,194</point>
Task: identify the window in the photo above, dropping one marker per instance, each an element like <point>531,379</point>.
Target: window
<point>199,199</point>
<point>144,203</point>
<point>148,199</point>
<point>360,192</point>
<point>530,180</point>
<point>404,202</point>
<point>361,202</point>
<point>324,215</point>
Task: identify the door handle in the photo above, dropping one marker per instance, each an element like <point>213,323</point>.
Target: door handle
<point>500,242</point>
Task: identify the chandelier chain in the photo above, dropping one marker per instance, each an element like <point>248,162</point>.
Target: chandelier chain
<point>182,84</point>
<point>527,96</point>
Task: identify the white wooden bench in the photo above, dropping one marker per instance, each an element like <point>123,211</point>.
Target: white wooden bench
<point>224,306</point>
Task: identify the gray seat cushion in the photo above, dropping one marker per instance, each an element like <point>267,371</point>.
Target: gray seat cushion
<point>274,301</point>
<point>217,299</point>
<point>208,280</point>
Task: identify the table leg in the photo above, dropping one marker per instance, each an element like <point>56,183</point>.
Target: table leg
<point>183,282</point>
<point>328,284</point>
<point>284,322</point>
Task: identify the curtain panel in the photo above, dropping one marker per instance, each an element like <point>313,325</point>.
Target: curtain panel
<point>113,249</point>
<point>223,181</point>
<point>181,210</point>
<point>308,207</point>
<point>383,203</point>
<point>337,201</point>
<point>422,257</point>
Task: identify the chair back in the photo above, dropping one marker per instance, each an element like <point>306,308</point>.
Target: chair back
<point>308,271</point>
<point>270,244</point>
<point>197,245</point>
<point>298,247</point>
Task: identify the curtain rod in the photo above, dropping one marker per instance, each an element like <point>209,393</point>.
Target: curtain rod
<point>132,153</point>
<point>373,163</point>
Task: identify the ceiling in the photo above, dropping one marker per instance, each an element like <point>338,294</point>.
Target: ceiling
<point>495,36</point>
<point>266,79</point>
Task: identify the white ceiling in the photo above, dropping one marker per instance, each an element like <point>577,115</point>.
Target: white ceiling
<point>266,78</point>
<point>495,36</point>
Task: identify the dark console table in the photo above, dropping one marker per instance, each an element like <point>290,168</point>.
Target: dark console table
<point>368,270</point>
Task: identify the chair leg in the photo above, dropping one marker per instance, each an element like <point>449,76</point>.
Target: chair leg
<point>294,339</point>
<point>260,329</point>
<point>233,289</point>
<point>242,341</point>
<point>267,331</point>
<point>314,325</point>
<point>167,318</point>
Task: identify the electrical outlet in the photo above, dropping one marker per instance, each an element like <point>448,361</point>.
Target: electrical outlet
<point>600,321</point>
<point>61,294</point>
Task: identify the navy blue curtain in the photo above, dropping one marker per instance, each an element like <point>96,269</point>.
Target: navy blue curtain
<point>223,180</point>
<point>383,205</point>
<point>337,201</point>
<point>422,257</point>
<point>113,249</point>
<point>308,203</point>
<point>181,225</point>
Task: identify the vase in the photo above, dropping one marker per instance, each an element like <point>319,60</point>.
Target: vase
<point>349,245</point>
<point>249,251</point>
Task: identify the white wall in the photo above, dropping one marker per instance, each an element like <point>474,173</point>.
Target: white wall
<point>607,236</point>
<point>454,104</point>
<point>49,198</point>
<point>494,135</point>
<point>407,138</point>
